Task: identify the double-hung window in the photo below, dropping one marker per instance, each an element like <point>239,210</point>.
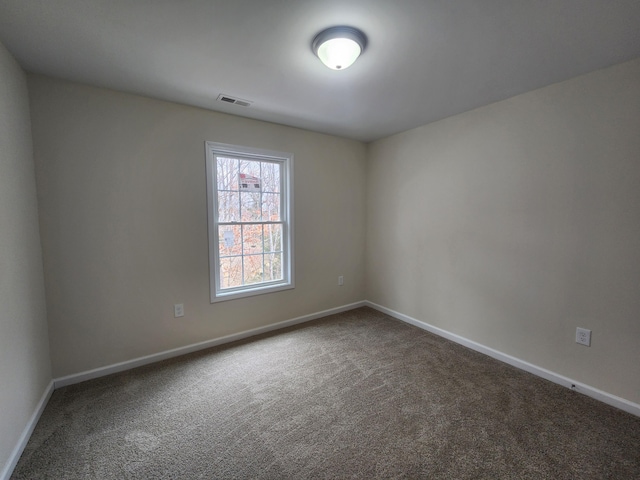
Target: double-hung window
<point>249,194</point>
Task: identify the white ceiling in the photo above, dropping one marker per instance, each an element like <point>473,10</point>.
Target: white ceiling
<point>426,59</point>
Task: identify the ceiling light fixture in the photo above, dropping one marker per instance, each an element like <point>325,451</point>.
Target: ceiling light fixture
<point>339,47</point>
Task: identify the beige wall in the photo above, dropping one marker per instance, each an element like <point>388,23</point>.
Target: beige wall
<point>25,371</point>
<point>509,225</point>
<point>122,198</point>
<point>515,223</point>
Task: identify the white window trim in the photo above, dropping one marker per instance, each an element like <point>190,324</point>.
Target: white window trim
<point>211,150</point>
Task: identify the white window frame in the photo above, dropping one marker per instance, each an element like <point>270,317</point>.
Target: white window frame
<point>213,149</point>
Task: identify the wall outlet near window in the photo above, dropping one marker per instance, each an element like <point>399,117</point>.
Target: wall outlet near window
<point>583,336</point>
<point>178,310</point>
<point>340,280</point>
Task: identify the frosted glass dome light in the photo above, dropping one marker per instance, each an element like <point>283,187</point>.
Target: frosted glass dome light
<point>339,47</point>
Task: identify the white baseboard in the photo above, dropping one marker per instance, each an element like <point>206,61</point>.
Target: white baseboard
<point>26,433</point>
<point>156,357</point>
<point>588,390</point>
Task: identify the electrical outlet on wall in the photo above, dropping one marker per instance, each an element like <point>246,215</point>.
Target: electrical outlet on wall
<point>340,280</point>
<point>178,310</point>
<point>583,336</point>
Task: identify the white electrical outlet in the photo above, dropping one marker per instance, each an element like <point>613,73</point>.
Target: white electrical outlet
<point>340,280</point>
<point>583,336</point>
<point>178,310</point>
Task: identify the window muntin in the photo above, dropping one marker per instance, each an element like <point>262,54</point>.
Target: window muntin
<point>250,221</point>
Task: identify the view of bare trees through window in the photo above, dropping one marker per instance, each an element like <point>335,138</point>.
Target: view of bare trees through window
<point>249,222</point>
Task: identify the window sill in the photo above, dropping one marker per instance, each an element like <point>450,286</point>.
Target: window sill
<point>250,292</point>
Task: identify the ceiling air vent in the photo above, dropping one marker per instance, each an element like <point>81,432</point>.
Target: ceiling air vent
<point>232,100</point>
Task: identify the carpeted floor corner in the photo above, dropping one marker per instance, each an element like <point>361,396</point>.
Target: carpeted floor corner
<point>353,395</point>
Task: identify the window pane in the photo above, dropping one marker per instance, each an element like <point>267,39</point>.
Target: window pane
<point>229,240</point>
<point>272,267</point>
<point>252,269</point>
<point>228,207</point>
<point>273,238</point>
<point>252,238</point>
<point>227,173</point>
<point>251,168</point>
<point>250,206</point>
<point>270,207</point>
<point>270,177</point>
<point>249,184</point>
<point>230,272</point>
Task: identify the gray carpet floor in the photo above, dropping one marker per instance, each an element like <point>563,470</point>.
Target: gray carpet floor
<point>353,395</point>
